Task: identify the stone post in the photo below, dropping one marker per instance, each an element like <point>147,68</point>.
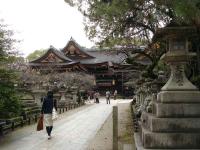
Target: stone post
<point>115,128</point>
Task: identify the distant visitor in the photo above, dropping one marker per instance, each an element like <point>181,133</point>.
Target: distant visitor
<point>115,94</point>
<point>108,97</point>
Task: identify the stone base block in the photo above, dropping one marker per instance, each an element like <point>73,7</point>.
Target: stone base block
<point>179,97</point>
<point>176,110</point>
<point>139,146</point>
<point>152,140</point>
<point>155,124</point>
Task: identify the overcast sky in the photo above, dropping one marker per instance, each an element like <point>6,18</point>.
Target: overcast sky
<point>41,23</point>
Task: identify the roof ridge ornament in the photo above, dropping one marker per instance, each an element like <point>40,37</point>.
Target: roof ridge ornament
<point>51,47</point>
<point>71,38</point>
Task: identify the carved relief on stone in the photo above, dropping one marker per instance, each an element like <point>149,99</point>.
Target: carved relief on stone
<point>149,107</point>
<point>178,73</point>
<point>148,104</point>
<point>178,79</point>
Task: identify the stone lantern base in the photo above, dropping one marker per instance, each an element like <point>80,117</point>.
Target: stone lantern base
<point>174,123</point>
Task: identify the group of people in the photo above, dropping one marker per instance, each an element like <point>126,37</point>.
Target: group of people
<point>96,96</point>
<point>108,95</point>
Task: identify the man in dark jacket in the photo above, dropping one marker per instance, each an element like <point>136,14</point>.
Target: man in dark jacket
<point>47,108</point>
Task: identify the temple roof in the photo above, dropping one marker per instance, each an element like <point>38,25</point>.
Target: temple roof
<point>74,51</point>
<point>52,55</point>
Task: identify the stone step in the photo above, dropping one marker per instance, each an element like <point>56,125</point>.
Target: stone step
<point>153,140</point>
<point>138,144</point>
<point>155,124</point>
<point>178,97</point>
<point>175,110</point>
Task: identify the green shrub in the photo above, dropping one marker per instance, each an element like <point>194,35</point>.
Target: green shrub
<point>9,99</point>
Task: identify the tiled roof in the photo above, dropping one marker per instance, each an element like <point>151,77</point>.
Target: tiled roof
<point>61,55</point>
<point>104,56</point>
<point>96,56</point>
<point>55,64</point>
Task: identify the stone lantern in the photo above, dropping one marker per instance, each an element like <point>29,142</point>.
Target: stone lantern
<point>177,56</point>
<point>62,97</point>
<point>175,119</point>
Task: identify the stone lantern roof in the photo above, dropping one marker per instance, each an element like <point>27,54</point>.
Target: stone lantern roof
<point>174,30</point>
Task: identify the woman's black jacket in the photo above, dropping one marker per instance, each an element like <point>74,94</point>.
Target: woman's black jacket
<point>47,106</point>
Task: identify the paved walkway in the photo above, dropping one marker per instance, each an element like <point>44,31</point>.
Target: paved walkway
<point>71,132</point>
<point>104,138</point>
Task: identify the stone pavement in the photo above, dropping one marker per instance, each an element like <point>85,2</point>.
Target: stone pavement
<point>70,132</point>
<point>104,137</point>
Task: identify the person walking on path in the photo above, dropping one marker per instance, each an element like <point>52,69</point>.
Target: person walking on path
<point>47,109</point>
<point>108,97</point>
<point>115,94</point>
<point>89,98</point>
<point>96,97</point>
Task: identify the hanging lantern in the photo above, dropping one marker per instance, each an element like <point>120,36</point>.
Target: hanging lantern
<point>113,82</point>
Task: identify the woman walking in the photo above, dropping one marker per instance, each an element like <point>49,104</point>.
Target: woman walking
<point>47,109</point>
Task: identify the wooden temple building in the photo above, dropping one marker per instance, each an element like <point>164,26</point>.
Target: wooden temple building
<point>108,67</point>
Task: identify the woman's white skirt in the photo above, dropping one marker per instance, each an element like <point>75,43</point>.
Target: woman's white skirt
<point>48,121</point>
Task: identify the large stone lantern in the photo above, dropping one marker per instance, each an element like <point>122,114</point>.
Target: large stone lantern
<point>175,119</point>
<point>177,56</point>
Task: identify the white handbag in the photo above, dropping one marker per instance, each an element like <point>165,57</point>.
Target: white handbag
<point>54,114</point>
